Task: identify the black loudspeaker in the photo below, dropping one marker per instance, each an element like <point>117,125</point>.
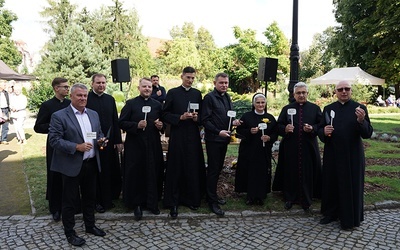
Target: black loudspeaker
<point>267,68</point>
<point>120,70</point>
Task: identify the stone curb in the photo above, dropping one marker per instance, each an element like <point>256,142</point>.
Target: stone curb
<point>243,214</point>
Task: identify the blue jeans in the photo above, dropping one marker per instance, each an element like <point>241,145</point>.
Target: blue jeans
<point>4,127</point>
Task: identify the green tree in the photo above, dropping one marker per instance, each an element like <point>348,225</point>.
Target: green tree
<point>277,46</point>
<point>72,55</point>
<point>119,35</point>
<point>205,57</point>
<point>181,53</point>
<point>242,59</point>
<point>368,37</point>
<point>60,14</point>
<point>8,51</point>
<point>245,57</point>
<point>209,54</point>
<point>318,59</point>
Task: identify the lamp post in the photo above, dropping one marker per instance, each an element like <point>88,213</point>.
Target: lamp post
<point>294,52</point>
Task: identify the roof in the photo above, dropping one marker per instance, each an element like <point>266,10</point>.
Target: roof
<point>350,74</point>
<point>6,73</point>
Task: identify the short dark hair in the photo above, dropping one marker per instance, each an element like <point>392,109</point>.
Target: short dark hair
<point>57,81</point>
<point>188,70</point>
<point>222,74</point>
<point>153,76</point>
<point>98,75</point>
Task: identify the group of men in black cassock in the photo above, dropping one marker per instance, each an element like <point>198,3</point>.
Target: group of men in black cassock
<point>145,178</point>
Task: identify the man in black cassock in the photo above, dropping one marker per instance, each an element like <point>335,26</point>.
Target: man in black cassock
<point>344,124</point>
<point>54,182</point>
<point>158,93</point>
<point>298,173</point>
<point>109,180</point>
<point>144,163</point>
<point>185,172</point>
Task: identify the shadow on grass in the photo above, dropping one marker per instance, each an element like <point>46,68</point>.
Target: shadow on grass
<point>14,195</point>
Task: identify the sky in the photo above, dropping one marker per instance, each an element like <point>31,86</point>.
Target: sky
<point>157,17</point>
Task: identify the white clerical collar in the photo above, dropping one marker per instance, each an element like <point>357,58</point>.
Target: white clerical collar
<point>186,88</point>
<point>259,113</point>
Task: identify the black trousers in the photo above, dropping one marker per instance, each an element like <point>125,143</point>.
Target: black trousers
<point>81,187</point>
<point>216,152</point>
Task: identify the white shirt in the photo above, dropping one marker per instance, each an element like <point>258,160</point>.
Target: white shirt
<point>3,100</point>
<point>86,127</point>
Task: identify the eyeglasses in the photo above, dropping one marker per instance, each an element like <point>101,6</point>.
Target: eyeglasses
<point>301,93</point>
<point>64,87</point>
<point>341,89</point>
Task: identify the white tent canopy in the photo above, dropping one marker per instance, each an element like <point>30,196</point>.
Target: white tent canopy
<point>350,74</point>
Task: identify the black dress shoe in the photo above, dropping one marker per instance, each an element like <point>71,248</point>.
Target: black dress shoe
<point>75,240</point>
<point>259,202</point>
<point>95,231</point>
<point>288,205</point>
<point>327,220</point>
<point>99,208</point>
<point>194,208</point>
<point>138,213</point>
<point>56,216</point>
<point>346,228</point>
<point>214,207</point>
<point>155,211</point>
<point>221,201</point>
<point>174,212</point>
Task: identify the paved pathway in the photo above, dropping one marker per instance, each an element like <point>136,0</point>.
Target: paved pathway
<point>245,230</point>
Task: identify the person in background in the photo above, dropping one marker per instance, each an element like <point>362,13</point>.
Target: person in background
<point>215,120</point>
<point>109,180</point>
<point>76,136</point>
<point>380,101</point>
<point>5,112</point>
<point>298,173</point>
<point>253,172</point>
<point>390,100</point>
<point>158,92</point>
<point>185,171</point>
<point>144,162</point>
<point>54,182</point>
<point>345,124</point>
<point>18,103</point>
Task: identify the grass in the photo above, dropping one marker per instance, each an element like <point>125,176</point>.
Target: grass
<point>35,169</point>
<point>387,188</point>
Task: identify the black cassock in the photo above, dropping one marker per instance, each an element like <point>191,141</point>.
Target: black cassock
<point>42,124</point>
<point>253,173</point>
<point>185,172</point>
<point>109,180</point>
<point>344,163</point>
<point>298,173</point>
<point>143,157</point>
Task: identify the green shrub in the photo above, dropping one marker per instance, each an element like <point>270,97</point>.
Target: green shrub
<point>38,94</point>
